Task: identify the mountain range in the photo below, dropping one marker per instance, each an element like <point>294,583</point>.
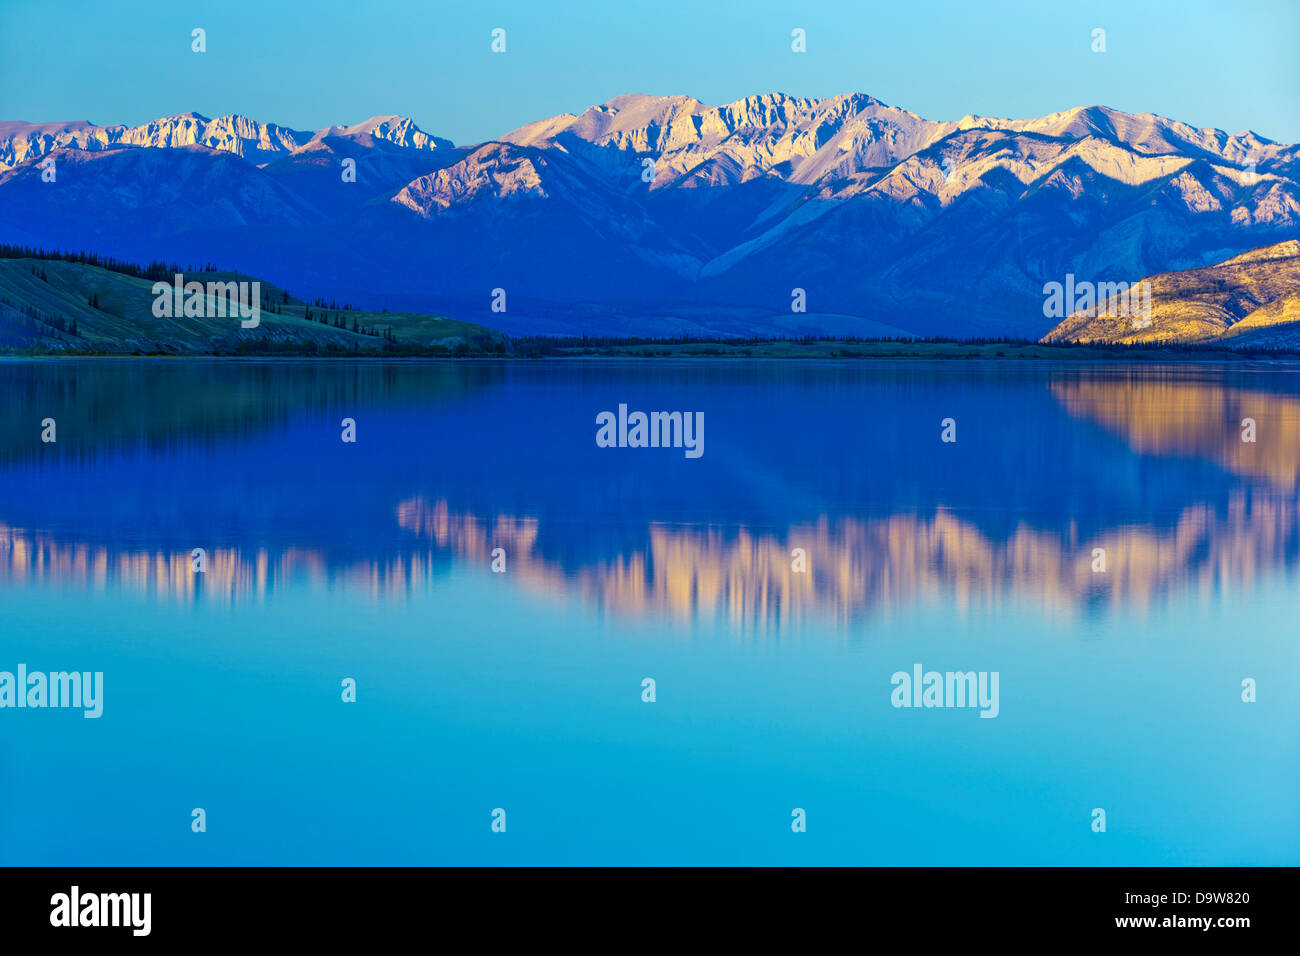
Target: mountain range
<point>655,215</point>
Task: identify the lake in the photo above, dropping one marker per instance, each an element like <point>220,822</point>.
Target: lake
<point>1100,539</point>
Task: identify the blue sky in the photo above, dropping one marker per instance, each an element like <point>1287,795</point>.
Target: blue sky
<point>308,65</point>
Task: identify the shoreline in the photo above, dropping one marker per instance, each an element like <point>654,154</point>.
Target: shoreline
<point>773,351</point>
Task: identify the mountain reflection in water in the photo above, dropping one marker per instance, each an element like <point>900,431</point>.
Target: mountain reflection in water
<point>843,461</point>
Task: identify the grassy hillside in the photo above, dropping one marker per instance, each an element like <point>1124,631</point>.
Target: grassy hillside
<point>1249,301</point>
<point>52,305</point>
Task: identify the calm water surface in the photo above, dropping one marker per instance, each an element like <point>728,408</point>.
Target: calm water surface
<point>478,690</point>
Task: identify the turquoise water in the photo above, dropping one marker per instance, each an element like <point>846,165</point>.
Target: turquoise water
<point>522,690</point>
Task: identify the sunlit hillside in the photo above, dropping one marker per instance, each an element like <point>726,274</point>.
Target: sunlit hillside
<point>1250,300</point>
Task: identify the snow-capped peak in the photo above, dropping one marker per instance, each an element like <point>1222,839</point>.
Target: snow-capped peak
<point>257,142</point>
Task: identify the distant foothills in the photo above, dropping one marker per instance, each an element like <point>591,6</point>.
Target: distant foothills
<point>661,217</point>
<point>61,303</point>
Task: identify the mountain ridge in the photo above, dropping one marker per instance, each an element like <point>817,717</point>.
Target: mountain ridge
<point>22,142</point>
